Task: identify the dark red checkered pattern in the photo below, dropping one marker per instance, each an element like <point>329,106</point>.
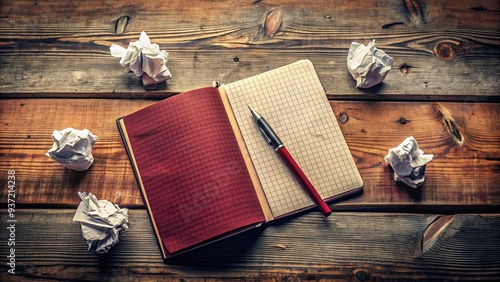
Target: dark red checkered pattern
<point>192,170</point>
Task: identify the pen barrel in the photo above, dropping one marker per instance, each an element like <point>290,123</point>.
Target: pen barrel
<point>304,181</point>
<point>269,133</point>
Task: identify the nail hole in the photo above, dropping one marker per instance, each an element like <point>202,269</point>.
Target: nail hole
<point>405,69</point>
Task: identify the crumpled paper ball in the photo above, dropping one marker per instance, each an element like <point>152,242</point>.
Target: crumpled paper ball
<point>144,59</point>
<point>368,65</point>
<point>73,148</point>
<point>102,222</point>
<point>408,162</point>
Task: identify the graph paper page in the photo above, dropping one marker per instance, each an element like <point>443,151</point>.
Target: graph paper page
<point>294,103</point>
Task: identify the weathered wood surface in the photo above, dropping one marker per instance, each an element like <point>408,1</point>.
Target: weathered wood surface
<point>464,172</point>
<point>345,246</point>
<point>441,48</point>
<point>443,89</point>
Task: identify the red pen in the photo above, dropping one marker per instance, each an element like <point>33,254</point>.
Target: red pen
<point>273,139</point>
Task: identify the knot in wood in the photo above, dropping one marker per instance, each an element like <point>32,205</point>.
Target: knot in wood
<point>273,22</point>
<point>414,11</point>
<point>446,50</point>
<point>450,125</point>
<point>361,276</point>
<point>121,24</point>
<point>343,117</point>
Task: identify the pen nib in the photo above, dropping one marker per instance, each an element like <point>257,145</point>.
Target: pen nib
<point>255,115</point>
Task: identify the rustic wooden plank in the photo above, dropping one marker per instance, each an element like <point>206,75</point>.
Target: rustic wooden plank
<point>77,75</point>
<point>65,51</point>
<point>75,16</point>
<point>464,172</point>
<point>110,15</point>
<point>27,126</point>
<point>345,246</point>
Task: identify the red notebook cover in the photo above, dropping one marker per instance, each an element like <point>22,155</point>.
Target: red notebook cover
<point>194,179</point>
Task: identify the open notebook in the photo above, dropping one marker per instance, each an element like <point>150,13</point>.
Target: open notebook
<point>205,171</point>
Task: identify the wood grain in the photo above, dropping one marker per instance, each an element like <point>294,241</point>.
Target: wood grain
<point>346,246</point>
<point>465,175</point>
<point>62,49</point>
<point>443,90</point>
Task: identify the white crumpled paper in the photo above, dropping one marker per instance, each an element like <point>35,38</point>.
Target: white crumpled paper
<point>73,148</point>
<point>408,162</point>
<point>102,222</point>
<point>368,65</point>
<point>144,59</point>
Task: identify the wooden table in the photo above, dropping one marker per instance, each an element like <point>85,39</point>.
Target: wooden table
<point>57,72</point>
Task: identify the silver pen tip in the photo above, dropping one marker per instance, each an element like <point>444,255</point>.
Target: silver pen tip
<point>255,115</point>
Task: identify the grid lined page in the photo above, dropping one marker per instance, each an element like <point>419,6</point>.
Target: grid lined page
<point>294,103</point>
